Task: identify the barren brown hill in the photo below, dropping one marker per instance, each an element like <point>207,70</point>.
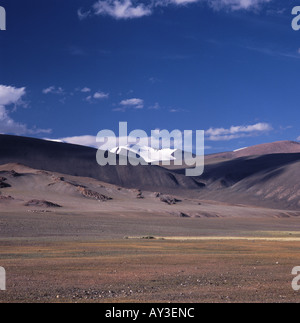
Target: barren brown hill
<point>81,161</point>
<point>272,180</point>
<point>279,147</point>
<point>264,180</point>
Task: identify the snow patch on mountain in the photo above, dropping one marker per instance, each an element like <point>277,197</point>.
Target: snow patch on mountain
<point>149,154</point>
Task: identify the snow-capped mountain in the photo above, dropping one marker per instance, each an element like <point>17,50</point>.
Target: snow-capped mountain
<point>149,154</point>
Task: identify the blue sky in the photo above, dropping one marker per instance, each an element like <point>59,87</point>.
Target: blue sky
<point>70,68</point>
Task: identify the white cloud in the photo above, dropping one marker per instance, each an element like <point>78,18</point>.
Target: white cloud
<point>130,9</point>
<point>176,110</point>
<point>101,95</point>
<point>10,95</point>
<point>235,132</point>
<point>135,103</point>
<point>96,96</point>
<point>121,9</point>
<point>87,140</point>
<point>53,90</point>
<point>219,4</point>
<point>237,4</point>
<point>85,90</point>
